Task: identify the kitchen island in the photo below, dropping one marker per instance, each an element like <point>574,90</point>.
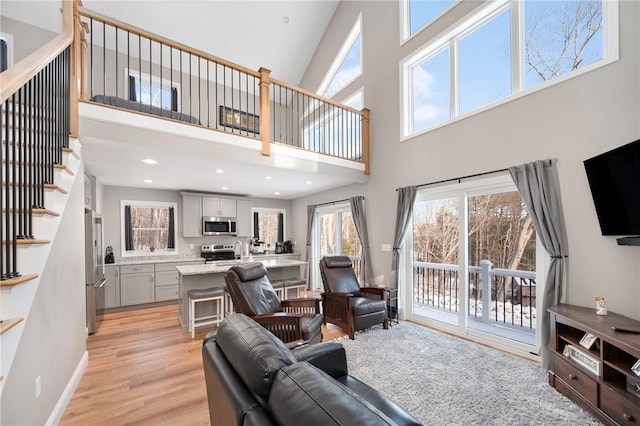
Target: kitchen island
<point>211,275</point>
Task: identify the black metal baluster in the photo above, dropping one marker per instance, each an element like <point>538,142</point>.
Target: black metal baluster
<point>224,92</point>
<point>104,60</point>
<point>190,83</point>
<point>13,205</point>
<point>117,74</point>
<point>29,159</point>
<point>4,123</point>
<point>19,164</point>
<point>199,90</point>
<point>91,58</point>
<point>208,98</point>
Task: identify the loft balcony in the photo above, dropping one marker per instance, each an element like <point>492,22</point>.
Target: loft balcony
<point>144,94</point>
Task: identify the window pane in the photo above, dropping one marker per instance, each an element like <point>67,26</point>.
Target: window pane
<point>268,227</point>
<point>485,64</point>
<point>431,91</point>
<point>435,231</point>
<point>421,12</point>
<point>561,36</point>
<point>350,241</point>
<point>349,69</point>
<point>143,239</point>
<point>328,234</point>
<point>150,93</point>
<point>149,217</point>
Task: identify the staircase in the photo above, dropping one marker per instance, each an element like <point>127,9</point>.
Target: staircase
<point>39,169</point>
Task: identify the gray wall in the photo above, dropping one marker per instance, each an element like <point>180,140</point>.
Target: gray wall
<point>571,121</point>
<point>110,208</point>
<point>26,38</point>
<point>54,336</point>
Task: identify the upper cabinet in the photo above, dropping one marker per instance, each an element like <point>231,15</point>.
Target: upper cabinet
<point>191,216</point>
<point>218,207</point>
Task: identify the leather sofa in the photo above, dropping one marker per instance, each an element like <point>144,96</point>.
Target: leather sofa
<point>253,378</point>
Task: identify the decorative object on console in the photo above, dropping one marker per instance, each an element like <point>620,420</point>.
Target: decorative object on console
<point>588,340</point>
<point>601,306</point>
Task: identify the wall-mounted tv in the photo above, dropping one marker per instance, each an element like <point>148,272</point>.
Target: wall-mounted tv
<point>614,179</point>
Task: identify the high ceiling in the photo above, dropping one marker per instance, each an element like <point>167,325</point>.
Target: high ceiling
<point>279,35</point>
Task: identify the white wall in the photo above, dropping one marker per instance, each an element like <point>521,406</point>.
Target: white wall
<point>110,209</point>
<point>54,337</point>
<point>571,121</point>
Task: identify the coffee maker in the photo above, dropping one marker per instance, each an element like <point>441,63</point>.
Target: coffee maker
<point>279,247</point>
<point>287,247</point>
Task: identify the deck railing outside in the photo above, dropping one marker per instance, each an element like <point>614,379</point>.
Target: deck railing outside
<point>499,296</point>
<point>130,68</point>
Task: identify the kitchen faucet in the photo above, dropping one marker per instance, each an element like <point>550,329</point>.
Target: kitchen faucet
<point>235,245</point>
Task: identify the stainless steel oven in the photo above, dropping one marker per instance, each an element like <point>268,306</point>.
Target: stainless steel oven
<point>219,226</point>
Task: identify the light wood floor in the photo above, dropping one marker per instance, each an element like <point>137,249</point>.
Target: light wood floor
<point>143,370</point>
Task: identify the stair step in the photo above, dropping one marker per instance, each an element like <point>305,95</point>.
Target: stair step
<point>64,169</point>
<point>72,152</point>
<point>49,186</point>
<point>8,324</point>
<point>37,212</point>
<point>11,282</point>
<point>26,242</point>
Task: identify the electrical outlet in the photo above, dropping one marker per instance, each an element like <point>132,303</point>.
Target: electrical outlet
<point>38,387</point>
<point>190,246</point>
<point>386,247</point>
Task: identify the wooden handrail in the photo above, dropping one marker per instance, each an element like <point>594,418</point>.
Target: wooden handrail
<point>365,139</point>
<point>139,31</point>
<point>315,96</point>
<point>17,76</point>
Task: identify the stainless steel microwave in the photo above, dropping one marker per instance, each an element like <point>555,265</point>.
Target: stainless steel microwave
<point>219,226</point>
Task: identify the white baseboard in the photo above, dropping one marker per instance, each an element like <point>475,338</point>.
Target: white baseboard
<point>67,394</point>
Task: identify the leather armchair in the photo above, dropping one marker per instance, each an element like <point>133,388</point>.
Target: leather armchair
<point>290,320</point>
<point>345,303</point>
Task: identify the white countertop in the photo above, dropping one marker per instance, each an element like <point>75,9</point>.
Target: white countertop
<point>159,259</point>
<point>224,266</point>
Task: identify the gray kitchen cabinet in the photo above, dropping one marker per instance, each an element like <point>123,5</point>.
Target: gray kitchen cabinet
<point>191,216</point>
<point>112,287</point>
<point>167,281</point>
<point>137,284</point>
<point>218,207</point>
<point>243,218</point>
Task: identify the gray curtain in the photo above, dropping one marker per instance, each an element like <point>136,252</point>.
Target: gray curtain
<point>360,221</point>
<point>311,212</point>
<point>406,198</point>
<point>539,187</point>
<point>171,238</point>
<point>128,229</point>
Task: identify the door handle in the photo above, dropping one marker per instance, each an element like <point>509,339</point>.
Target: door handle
<point>101,283</point>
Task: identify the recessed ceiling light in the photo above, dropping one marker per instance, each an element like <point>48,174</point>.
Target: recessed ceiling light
<point>149,161</point>
<point>285,19</point>
<point>268,177</point>
<point>148,181</point>
<point>219,171</point>
<point>308,182</point>
<point>276,193</point>
<point>224,188</point>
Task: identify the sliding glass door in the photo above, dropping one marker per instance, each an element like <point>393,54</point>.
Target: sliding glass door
<point>474,262</point>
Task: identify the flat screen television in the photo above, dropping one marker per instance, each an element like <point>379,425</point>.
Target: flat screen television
<point>614,179</point>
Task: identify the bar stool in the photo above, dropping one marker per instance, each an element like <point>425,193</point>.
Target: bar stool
<point>228,303</point>
<point>278,286</point>
<point>296,284</point>
<point>206,295</point>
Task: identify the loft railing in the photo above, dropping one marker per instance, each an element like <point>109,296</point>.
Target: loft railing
<point>127,67</point>
<point>499,296</point>
<point>35,111</point>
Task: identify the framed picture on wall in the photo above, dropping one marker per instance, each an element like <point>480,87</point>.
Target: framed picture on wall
<point>240,120</point>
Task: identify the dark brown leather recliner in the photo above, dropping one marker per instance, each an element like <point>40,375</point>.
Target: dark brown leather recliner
<point>290,320</point>
<point>344,302</point>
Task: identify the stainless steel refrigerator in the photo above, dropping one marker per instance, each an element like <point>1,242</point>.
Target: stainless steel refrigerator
<point>94,264</point>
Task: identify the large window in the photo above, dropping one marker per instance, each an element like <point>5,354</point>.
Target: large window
<point>347,65</point>
<point>337,233</point>
<point>501,50</point>
<point>148,228</point>
<point>269,225</point>
<point>474,261</point>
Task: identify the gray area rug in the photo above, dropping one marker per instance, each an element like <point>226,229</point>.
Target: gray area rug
<point>445,380</point>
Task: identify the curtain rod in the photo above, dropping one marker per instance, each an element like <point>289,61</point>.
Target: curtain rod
<point>337,201</point>
<point>459,179</point>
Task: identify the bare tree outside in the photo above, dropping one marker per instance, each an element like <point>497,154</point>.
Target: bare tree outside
<point>150,227</point>
<point>561,36</point>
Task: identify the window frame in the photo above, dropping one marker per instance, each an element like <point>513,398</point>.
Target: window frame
<point>347,44</point>
<point>145,253</point>
<point>474,20</point>
<point>153,80</point>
